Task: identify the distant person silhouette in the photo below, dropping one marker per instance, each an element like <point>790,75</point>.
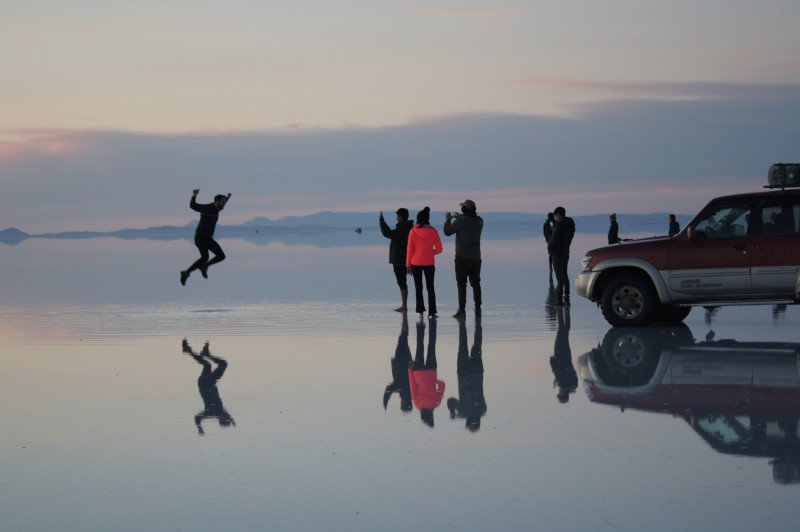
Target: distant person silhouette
<point>471,403</point>
<point>400,364</point>
<point>204,234</point>
<point>613,229</point>
<point>397,251</point>
<point>560,240</point>
<point>566,378</point>
<point>426,389</point>
<point>207,385</point>
<point>424,243</point>
<point>674,226</point>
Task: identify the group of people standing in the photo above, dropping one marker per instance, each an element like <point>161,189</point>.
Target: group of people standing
<point>413,250</point>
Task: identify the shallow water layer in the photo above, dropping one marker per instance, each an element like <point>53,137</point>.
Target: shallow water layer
<point>302,413</point>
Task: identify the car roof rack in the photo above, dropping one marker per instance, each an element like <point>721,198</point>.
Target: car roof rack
<point>783,175</point>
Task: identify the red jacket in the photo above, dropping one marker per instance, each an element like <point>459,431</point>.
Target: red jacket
<point>423,244</point>
<point>426,390</point>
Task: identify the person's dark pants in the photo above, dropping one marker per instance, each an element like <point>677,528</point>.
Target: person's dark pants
<point>400,274</point>
<point>204,245</point>
<point>562,277</point>
<point>468,269</point>
<point>428,271</point>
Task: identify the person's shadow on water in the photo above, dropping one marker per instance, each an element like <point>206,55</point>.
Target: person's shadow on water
<point>207,385</point>
<point>566,378</point>
<point>471,403</point>
<point>400,364</point>
<point>426,389</point>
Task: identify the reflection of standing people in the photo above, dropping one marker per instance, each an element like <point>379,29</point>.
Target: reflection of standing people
<point>204,234</point>
<point>426,390</point>
<point>400,364</point>
<point>547,229</point>
<point>566,378</point>
<point>424,244</point>
<point>471,403</point>
<point>397,251</point>
<point>207,384</point>
<point>613,230</point>
<point>674,226</point>
<point>467,229</point>
<point>560,240</point>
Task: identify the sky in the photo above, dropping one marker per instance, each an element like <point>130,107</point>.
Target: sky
<point>112,112</point>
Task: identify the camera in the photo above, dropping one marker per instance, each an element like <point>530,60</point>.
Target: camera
<point>453,214</point>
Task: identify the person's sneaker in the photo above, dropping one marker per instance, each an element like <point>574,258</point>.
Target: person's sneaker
<point>432,316</point>
<point>184,276</point>
<point>460,313</point>
<point>204,271</point>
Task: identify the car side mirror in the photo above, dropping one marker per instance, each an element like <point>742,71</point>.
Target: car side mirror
<point>690,234</point>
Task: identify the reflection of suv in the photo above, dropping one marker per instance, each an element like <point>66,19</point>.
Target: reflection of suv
<point>742,398</point>
<point>742,249</point>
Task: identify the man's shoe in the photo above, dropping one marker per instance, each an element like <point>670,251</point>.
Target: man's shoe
<point>461,313</point>
<point>184,276</point>
<point>204,271</point>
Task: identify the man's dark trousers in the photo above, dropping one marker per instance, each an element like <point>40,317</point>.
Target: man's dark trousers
<point>467,269</point>
<point>562,277</point>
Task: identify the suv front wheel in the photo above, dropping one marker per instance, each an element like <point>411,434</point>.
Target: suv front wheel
<point>629,299</point>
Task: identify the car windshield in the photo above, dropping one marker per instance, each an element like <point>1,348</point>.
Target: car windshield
<point>724,222</point>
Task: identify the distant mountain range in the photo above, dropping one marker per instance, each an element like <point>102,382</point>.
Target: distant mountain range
<point>353,227</point>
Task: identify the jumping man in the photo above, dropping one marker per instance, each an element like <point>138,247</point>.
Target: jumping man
<point>204,235</point>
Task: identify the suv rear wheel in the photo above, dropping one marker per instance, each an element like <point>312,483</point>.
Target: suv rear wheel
<point>629,299</point>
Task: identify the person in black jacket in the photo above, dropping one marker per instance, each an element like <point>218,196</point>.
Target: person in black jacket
<point>467,227</point>
<point>397,251</point>
<point>560,240</point>
<point>204,234</point>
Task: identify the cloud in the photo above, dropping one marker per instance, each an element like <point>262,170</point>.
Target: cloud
<point>621,155</point>
<point>671,90</point>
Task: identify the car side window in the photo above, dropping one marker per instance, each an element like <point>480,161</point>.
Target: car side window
<point>724,221</point>
<point>780,219</point>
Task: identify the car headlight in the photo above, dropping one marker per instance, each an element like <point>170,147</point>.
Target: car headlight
<point>585,262</point>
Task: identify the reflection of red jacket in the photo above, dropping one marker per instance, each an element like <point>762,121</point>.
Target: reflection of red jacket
<point>426,390</point>
<point>423,244</point>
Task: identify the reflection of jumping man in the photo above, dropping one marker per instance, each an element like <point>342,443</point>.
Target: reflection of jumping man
<point>204,234</point>
<point>207,385</point>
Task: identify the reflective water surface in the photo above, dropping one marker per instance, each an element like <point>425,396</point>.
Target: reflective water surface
<point>284,393</point>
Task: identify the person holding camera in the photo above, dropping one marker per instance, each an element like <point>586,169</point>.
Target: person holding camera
<point>467,226</point>
<point>397,251</point>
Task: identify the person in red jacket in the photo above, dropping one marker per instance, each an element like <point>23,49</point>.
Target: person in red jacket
<point>424,243</point>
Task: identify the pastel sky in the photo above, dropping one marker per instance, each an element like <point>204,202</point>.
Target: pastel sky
<point>111,112</point>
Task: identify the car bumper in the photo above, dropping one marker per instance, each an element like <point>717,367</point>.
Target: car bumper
<point>584,284</point>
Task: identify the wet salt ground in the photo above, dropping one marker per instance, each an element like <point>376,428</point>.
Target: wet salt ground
<point>99,404</point>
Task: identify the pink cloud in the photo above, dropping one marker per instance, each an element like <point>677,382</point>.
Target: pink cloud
<point>48,143</point>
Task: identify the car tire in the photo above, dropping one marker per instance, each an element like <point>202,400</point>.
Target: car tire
<point>629,300</point>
